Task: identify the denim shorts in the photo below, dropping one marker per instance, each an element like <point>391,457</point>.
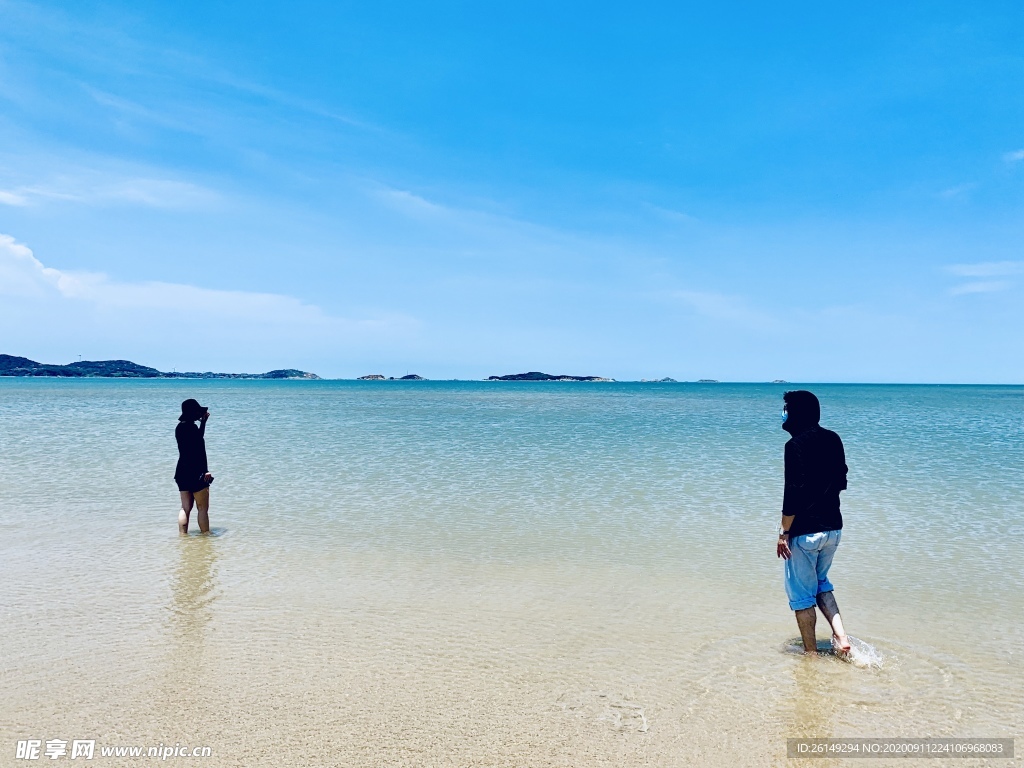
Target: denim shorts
<point>807,569</point>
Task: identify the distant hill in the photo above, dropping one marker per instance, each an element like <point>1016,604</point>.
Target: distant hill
<point>538,376</point>
<point>126,369</point>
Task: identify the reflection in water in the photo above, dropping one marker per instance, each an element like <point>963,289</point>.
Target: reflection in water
<point>814,698</point>
<point>194,591</point>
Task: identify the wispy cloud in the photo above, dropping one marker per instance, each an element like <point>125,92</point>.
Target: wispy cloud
<point>172,119</point>
<point>981,286</point>
<point>672,215</point>
<point>409,203</point>
<point>1013,157</point>
<point>481,227</point>
<point>106,47</point>
<point>10,197</point>
<point>727,308</point>
<point>23,275</point>
<point>960,190</point>
<point>987,269</point>
<point>96,188</point>
<point>982,274</point>
<point>285,99</point>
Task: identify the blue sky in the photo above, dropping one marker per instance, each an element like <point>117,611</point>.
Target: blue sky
<point>732,190</point>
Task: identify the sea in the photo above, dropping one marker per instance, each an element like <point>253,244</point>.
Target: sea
<point>498,573</point>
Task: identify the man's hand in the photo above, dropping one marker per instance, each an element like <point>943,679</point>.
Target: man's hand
<point>208,478</point>
<point>782,549</point>
<point>206,416</point>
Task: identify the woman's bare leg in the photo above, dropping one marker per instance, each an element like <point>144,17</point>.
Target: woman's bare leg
<point>203,505</point>
<point>186,508</point>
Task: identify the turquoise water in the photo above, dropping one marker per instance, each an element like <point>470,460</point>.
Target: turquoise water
<point>499,573</point>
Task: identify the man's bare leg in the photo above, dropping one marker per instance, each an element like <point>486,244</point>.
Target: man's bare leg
<point>829,608</point>
<point>806,619</point>
<point>203,505</point>
<point>186,508</point>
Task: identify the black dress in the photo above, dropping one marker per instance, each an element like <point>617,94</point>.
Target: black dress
<point>191,470</point>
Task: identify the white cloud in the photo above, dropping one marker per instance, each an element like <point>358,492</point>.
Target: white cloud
<point>981,286</point>
<point>981,276</point>
<point>134,110</point>
<point>203,69</point>
<point>8,197</point>
<point>958,191</point>
<point>1014,157</point>
<point>98,189</point>
<point>21,273</point>
<point>673,215</point>
<point>477,229</point>
<point>23,276</point>
<point>409,203</point>
<point>158,193</point>
<point>731,309</point>
<point>987,269</point>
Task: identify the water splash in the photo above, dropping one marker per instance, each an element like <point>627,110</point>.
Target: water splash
<point>864,654</point>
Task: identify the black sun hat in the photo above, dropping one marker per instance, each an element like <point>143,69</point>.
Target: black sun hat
<point>191,410</point>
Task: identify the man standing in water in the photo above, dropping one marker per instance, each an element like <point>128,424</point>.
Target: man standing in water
<point>811,522</point>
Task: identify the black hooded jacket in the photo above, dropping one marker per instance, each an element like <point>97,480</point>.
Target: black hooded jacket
<point>815,474</point>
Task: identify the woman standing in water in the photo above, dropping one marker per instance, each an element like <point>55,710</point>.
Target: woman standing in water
<point>192,474</point>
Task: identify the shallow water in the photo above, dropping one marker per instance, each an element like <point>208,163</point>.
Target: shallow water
<point>433,573</point>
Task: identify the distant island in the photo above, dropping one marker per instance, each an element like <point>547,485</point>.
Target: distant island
<point>666,380</point>
<point>708,381</point>
<point>381,377</point>
<point>538,376</point>
<point>126,369</point>
<point>780,381</point>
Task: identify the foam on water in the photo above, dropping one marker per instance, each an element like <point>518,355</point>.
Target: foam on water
<point>863,654</point>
